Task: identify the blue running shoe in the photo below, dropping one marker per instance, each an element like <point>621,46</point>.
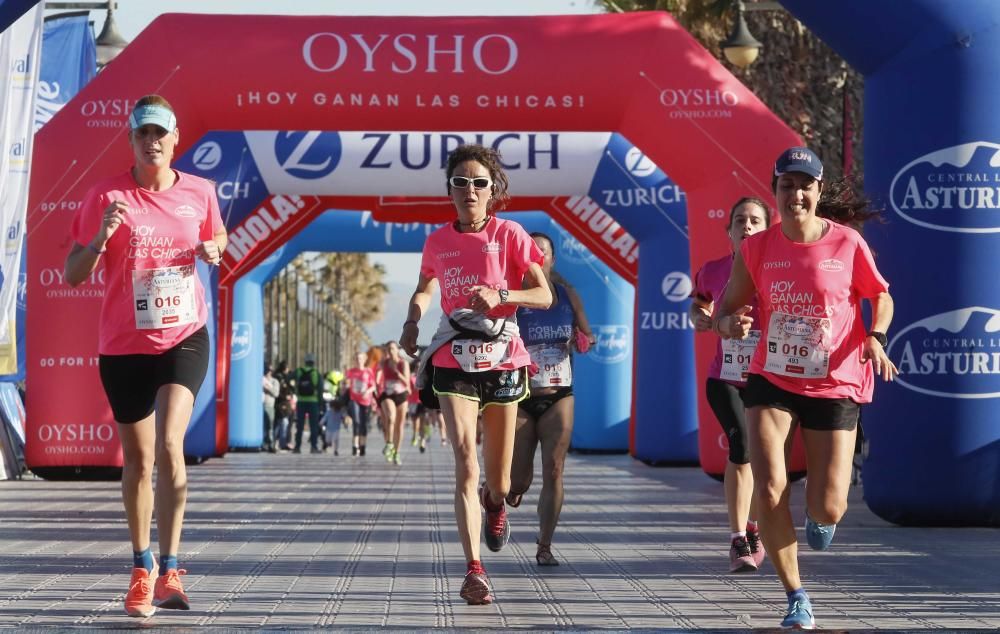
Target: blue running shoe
<point>800,615</point>
<point>819,535</point>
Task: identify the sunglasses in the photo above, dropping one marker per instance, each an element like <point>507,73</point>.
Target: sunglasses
<point>461,182</point>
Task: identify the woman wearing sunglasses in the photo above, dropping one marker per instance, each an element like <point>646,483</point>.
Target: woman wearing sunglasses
<point>476,362</point>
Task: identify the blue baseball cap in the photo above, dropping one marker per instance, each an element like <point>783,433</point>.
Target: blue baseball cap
<point>799,159</point>
<point>152,114</point>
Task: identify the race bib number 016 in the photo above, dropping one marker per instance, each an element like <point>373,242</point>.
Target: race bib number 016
<point>555,369</point>
<point>164,298</point>
<point>474,355</point>
<point>798,346</point>
<point>736,355</point>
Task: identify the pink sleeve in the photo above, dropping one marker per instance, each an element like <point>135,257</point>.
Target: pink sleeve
<point>213,222</point>
<point>867,281</point>
<point>427,260</point>
<point>750,257</point>
<point>699,290</point>
<point>87,219</point>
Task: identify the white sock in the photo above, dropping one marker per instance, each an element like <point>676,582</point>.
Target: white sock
<point>733,536</point>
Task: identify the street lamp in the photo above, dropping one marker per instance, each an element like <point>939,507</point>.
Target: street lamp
<point>741,48</point>
<point>110,42</point>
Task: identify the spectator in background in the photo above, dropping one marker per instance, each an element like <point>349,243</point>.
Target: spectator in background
<point>284,407</point>
<point>307,388</point>
<point>272,388</point>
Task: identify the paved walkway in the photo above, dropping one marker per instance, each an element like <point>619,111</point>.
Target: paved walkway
<point>317,541</point>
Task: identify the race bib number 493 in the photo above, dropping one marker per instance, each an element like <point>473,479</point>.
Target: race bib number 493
<point>798,346</point>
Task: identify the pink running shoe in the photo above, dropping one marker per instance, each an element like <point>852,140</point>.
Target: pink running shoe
<point>740,559</point>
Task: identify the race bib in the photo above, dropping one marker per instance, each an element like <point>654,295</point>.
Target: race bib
<point>474,355</point>
<point>395,387</point>
<point>555,368</point>
<point>164,298</point>
<point>798,346</point>
<point>736,355</point>
<point>358,386</point>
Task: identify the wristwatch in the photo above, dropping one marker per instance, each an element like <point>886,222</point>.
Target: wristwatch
<point>880,338</point>
<point>503,295</point>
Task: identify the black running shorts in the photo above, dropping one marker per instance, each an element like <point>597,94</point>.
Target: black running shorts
<point>131,381</point>
<point>821,414</point>
<point>493,387</point>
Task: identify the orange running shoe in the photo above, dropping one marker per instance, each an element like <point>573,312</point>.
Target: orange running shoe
<point>169,593</point>
<point>139,598</point>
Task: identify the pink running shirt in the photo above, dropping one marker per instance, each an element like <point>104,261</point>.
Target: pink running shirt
<point>710,285</point>
<point>497,256</point>
<point>810,299</point>
<point>359,380</point>
<point>161,229</point>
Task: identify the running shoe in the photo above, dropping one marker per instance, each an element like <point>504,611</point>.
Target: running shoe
<point>354,451</point>
<point>740,557</point>
<point>756,547</point>
<point>413,443</point>
<point>800,615</point>
<point>496,529</point>
<point>544,556</point>
<point>396,460</point>
<point>476,588</point>
<point>361,450</point>
<point>423,446</point>
<point>387,450</point>
<point>819,535</point>
<point>169,593</point>
<point>514,499</point>
<point>139,598</point>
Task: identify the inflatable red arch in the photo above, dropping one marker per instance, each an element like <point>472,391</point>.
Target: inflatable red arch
<point>640,75</point>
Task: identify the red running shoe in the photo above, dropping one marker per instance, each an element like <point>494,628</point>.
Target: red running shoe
<point>476,588</point>
<point>169,593</point>
<point>496,529</point>
<point>139,598</point>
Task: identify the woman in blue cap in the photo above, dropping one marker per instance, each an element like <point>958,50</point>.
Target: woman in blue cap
<point>816,361</point>
<point>148,226</point>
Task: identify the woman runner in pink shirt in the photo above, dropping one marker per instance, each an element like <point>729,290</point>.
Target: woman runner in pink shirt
<point>486,267</point>
<point>147,226</point>
<point>816,362</point>
<point>725,382</point>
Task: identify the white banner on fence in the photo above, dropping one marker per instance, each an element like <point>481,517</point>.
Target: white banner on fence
<point>20,57</point>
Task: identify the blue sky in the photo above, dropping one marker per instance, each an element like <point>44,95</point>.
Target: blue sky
<point>132,16</point>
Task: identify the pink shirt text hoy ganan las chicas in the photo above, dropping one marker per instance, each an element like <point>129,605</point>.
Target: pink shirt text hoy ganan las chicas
<point>153,298</point>
<point>812,332</point>
<point>498,256</point>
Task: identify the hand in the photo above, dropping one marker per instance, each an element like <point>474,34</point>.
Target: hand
<point>484,299</point>
<point>874,352</point>
<point>702,320</point>
<point>208,251</point>
<point>408,339</point>
<point>737,325</point>
<point>113,218</point>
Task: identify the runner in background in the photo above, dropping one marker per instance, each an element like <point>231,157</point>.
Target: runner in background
<point>816,362</point>
<point>546,417</point>
<point>395,388</point>
<point>361,391</point>
<point>148,227</point>
<point>726,380</point>
<point>476,361</point>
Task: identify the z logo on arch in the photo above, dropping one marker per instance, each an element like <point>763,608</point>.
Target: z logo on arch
<point>308,155</point>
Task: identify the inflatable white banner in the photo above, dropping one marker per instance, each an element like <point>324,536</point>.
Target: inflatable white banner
<point>20,50</point>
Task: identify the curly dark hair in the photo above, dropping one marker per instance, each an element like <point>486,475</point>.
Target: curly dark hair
<point>491,160</point>
<point>844,202</point>
<point>753,201</point>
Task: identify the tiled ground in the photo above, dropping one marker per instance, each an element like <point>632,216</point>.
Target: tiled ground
<point>317,541</point>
